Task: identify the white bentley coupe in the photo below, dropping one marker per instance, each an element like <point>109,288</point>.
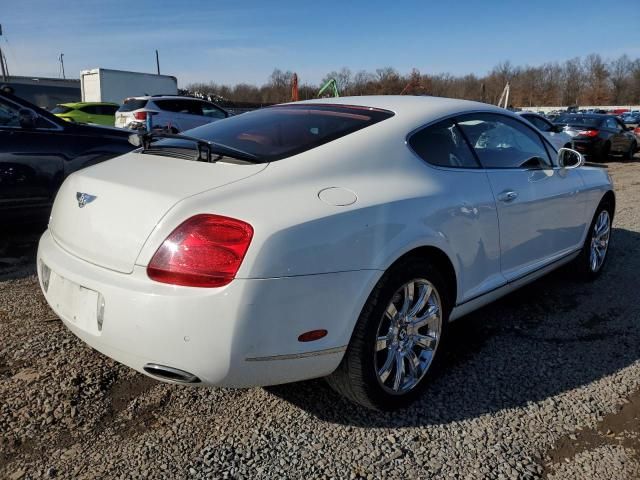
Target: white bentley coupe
<point>328,238</point>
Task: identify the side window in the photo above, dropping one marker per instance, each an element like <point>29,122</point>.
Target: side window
<point>504,142</point>
<point>9,115</point>
<point>210,110</point>
<point>167,105</point>
<point>107,109</point>
<point>90,109</point>
<point>191,107</point>
<point>443,144</point>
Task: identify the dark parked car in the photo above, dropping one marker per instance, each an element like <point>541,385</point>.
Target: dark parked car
<point>598,136</point>
<point>39,150</point>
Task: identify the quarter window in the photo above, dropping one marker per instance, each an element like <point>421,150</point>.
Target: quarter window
<point>539,123</point>
<point>443,144</point>
<point>210,110</point>
<point>504,142</point>
<point>611,123</point>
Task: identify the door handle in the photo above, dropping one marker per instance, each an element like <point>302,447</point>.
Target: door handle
<point>507,196</point>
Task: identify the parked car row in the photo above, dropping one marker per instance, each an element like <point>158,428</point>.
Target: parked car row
<point>597,135</point>
<point>168,112</point>
<point>38,150</point>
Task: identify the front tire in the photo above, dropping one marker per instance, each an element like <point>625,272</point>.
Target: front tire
<point>393,348</point>
<point>594,252</point>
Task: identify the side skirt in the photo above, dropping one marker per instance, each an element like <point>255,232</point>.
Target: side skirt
<point>475,303</point>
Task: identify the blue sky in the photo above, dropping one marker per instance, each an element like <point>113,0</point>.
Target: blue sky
<point>243,41</point>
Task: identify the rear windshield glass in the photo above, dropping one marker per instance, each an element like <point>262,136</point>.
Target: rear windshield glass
<point>61,109</point>
<point>131,105</point>
<point>281,131</point>
<point>579,120</point>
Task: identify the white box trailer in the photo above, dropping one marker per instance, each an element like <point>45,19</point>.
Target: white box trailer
<point>106,85</point>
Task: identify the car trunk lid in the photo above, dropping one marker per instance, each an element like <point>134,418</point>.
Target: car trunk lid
<point>105,213</point>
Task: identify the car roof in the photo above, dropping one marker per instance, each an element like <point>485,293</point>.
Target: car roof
<point>164,97</point>
<point>417,110</point>
<point>84,104</point>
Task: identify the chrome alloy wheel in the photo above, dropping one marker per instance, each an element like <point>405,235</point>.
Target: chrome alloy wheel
<point>407,337</point>
<point>600,241</point>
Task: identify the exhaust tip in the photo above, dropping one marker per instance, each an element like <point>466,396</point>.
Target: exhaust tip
<point>169,373</point>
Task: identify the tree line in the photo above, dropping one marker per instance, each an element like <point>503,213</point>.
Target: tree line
<point>591,80</point>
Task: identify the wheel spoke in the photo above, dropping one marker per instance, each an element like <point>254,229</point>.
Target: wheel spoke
<point>382,343</point>
<point>392,312</point>
<point>425,341</point>
<point>430,315</point>
<point>594,260</point>
<point>423,296</point>
<point>409,292</point>
<point>385,371</point>
<point>414,362</point>
<point>397,380</point>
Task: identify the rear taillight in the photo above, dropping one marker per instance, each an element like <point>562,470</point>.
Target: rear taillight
<point>588,133</point>
<point>140,115</point>
<point>204,251</point>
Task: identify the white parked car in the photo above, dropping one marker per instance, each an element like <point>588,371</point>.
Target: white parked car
<point>554,133</point>
<point>323,238</point>
<point>172,113</point>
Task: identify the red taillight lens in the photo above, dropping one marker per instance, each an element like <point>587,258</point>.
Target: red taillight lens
<point>140,115</point>
<point>204,251</point>
<point>588,133</point>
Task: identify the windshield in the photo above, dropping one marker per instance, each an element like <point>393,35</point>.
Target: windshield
<point>61,109</point>
<point>579,120</point>
<point>282,131</point>
<point>133,104</point>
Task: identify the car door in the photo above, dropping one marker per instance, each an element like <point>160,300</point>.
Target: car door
<point>467,217</point>
<point>540,207</point>
<point>624,138</point>
<point>31,160</point>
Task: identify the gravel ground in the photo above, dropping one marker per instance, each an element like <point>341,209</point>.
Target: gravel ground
<point>544,383</point>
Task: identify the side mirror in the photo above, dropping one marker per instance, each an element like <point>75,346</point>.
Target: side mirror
<point>558,129</point>
<point>27,118</point>
<point>568,158</point>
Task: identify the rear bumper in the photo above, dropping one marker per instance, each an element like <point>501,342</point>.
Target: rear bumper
<point>588,148</point>
<point>244,334</point>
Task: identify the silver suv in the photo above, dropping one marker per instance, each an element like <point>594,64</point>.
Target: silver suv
<point>172,113</point>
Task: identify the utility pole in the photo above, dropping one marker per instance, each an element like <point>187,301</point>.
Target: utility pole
<point>62,64</point>
<point>157,62</point>
<point>3,62</point>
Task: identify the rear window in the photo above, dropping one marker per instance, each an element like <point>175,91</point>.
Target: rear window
<point>133,104</point>
<point>282,131</point>
<point>579,120</point>
<point>61,109</point>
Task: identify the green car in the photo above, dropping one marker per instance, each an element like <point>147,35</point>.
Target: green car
<point>101,113</point>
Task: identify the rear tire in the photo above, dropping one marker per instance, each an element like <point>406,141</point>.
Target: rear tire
<point>594,254</point>
<point>632,150</point>
<point>388,361</point>
<point>605,152</point>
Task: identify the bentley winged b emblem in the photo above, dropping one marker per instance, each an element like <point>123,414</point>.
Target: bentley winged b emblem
<point>84,198</point>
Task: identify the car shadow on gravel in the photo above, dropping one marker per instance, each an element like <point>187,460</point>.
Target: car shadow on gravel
<point>18,248</point>
<point>549,337</point>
